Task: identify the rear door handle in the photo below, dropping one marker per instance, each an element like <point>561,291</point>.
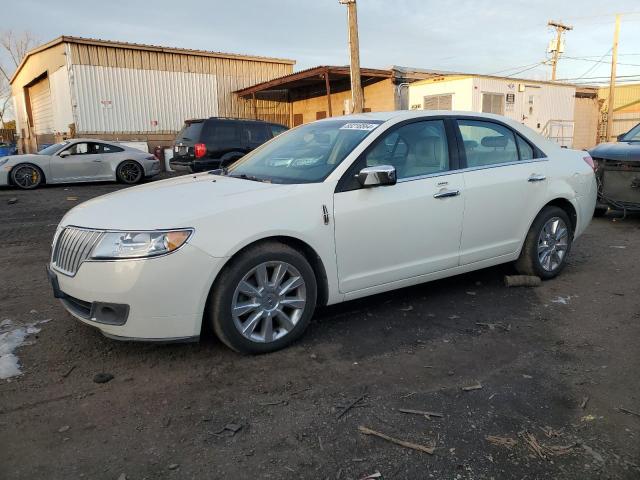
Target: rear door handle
<point>446,193</point>
<point>536,177</point>
<point>97,161</point>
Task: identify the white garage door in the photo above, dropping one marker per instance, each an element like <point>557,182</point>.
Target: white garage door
<point>41,111</point>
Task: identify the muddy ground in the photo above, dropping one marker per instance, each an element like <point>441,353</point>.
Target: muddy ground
<point>555,366</point>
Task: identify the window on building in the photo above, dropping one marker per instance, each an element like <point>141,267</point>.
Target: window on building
<point>438,102</point>
<point>487,143</point>
<point>297,119</point>
<point>493,103</point>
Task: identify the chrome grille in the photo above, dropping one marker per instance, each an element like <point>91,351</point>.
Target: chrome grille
<point>73,246</point>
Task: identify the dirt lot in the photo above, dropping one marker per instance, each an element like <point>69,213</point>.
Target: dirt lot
<point>556,363</point>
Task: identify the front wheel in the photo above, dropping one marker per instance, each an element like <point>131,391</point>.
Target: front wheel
<point>26,176</point>
<point>129,172</point>
<point>547,245</point>
<point>263,300</point>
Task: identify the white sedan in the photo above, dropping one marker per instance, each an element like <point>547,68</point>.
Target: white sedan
<point>327,212</point>
<point>78,160</point>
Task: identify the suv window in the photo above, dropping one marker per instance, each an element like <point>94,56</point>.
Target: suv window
<point>221,134</point>
<point>487,143</point>
<point>257,133</point>
<point>277,130</point>
<point>415,149</point>
<point>190,132</point>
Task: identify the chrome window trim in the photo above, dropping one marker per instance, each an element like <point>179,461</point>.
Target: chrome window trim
<point>471,169</point>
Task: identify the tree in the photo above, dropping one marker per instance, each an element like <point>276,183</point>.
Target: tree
<point>13,48</point>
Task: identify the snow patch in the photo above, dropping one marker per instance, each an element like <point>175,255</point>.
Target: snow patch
<point>11,337</point>
<point>561,300</point>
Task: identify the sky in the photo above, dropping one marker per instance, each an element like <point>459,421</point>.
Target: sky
<point>475,36</point>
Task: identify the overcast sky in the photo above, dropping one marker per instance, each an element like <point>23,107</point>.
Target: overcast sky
<point>483,36</point>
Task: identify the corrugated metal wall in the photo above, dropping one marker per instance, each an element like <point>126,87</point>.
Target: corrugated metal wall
<point>231,74</point>
<point>61,100</point>
<point>626,110</point>
<point>127,100</point>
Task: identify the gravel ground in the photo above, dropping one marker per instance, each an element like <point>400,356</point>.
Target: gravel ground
<point>555,365</point>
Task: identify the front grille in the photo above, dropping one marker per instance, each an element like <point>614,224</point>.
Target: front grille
<point>72,247</point>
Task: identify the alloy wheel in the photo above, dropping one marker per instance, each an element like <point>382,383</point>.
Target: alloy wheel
<point>269,301</point>
<point>553,243</point>
<point>26,176</point>
<point>130,172</point>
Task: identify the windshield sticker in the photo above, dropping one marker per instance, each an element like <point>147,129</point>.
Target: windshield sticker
<point>359,126</point>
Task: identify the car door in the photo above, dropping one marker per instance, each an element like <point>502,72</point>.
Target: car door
<point>505,186</point>
<point>385,234</point>
<point>106,159</point>
<point>77,162</point>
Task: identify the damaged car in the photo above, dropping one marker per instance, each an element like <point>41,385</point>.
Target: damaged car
<point>618,173</point>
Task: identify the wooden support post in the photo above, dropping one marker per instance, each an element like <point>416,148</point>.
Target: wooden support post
<point>255,106</point>
<point>327,85</point>
<point>357,97</point>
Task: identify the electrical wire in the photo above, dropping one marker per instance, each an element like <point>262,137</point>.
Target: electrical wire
<point>514,68</point>
<point>593,67</point>
<point>527,69</point>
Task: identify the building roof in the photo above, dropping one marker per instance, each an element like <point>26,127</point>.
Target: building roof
<point>312,76</point>
<point>140,46</point>
<point>450,76</point>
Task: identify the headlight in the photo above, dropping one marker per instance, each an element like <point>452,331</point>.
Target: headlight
<point>114,245</point>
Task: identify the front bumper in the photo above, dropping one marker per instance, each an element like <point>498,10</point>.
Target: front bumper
<point>154,299</point>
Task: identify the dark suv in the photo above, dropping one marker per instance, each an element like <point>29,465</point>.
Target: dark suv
<point>216,142</point>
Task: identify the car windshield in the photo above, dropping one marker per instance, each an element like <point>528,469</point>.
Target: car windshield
<point>307,154</point>
<point>633,135</point>
<point>51,149</point>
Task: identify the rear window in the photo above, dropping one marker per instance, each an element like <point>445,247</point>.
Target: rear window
<point>190,132</point>
<point>222,134</point>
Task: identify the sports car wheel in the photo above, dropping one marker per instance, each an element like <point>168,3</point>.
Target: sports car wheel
<point>26,176</point>
<point>129,172</point>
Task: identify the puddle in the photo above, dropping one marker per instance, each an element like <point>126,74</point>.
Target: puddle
<point>13,335</point>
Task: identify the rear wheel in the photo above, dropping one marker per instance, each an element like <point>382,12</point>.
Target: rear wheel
<point>129,172</point>
<point>264,300</point>
<point>547,245</point>
<point>26,176</point>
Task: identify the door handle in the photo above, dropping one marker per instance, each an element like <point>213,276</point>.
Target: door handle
<point>536,177</point>
<point>446,193</point>
<point>97,161</point>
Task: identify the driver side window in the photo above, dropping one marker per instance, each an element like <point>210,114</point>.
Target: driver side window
<point>78,149</point>
<point>415,149</point>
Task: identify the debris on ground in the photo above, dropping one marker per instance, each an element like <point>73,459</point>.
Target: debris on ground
<point>123,476</point>
<point>550,432</point>
<point>173,466</point>
<point>476,386</point>
<point>72,199</point>
<point>472,293</point>
<point>426,414</point>
<point>493,326</point>
<point>561,300</point>
<point>68,372</point>
<point>588,418</point>
<point>402,443</point>
<point>584,402</point>
<point>628,412</point>
<point>230,429</point>
<point>63,429</point>
<point>274,403</point>
<point>545,451</point>
<point>373,476</point>
<point>12,200</point>
<point>407,309</point>
<point>522,281</point>
<point>356,402</point>
<point>507,442</point>
<point>102,377</point>
<point>596,456</point>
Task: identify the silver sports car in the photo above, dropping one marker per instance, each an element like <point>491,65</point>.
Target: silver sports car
<point>78,160</point>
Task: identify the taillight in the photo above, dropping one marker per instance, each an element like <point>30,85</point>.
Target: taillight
<point>589,161</point>
<point>200,149</point>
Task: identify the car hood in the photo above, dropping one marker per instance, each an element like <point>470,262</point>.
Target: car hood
<point>175,203</point>
<point>623,151</point>
<point>27,157</point>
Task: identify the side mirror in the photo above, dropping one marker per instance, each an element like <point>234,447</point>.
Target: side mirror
<point>620,137</point>
<point>64,154</point>
<point>377,176</point>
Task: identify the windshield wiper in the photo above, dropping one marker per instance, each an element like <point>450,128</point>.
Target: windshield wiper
<point>244,176</point>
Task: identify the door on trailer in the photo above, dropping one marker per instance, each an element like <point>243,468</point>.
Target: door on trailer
<point>530,116</point>
<point>390,233</point>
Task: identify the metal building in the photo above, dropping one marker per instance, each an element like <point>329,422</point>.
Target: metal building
<point>123,91</point>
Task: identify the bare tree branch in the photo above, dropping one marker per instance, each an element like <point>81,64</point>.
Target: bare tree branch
<point>13,48</point>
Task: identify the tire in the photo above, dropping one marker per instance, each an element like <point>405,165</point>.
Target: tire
<point>26,176</point>
<point>531,262</point>
<point>241,275</point>
<point>129,172</point>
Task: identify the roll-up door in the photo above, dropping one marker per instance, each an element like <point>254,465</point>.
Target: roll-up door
<point>41,111</point>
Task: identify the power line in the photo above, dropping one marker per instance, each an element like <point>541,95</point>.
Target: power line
<point>514,68</point>
<point>600,60</point>
<point>527,69</point>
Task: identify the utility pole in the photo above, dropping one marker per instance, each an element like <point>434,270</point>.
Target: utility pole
<point>560,29</point>
<point>357,97</point>
<point>612,81</point>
